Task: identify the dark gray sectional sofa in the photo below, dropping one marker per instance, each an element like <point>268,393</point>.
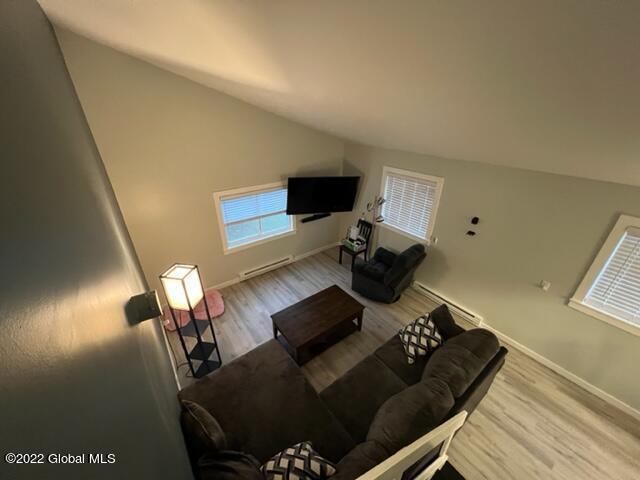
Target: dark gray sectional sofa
<point>264,403</point>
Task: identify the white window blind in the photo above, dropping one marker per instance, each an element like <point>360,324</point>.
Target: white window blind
<point>253,216</point>
<point>411,202</point>
<point>616,289</point>
<point>250,206</point>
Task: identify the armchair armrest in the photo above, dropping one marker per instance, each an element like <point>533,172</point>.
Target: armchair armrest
<point>385,256</point>
<point>372,270</point>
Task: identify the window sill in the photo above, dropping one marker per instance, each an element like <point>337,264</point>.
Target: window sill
<point>229,250</point>
<point>406,234</point>
<point>605,317</point>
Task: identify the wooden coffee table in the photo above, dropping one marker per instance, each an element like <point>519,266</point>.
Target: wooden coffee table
<point>317,322</point>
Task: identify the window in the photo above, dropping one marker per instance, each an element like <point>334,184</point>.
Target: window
<point>411,202</point>
<point>248,216</point>
<point>610,290</point>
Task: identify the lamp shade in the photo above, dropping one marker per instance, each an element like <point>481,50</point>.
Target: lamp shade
<point>182,287</point>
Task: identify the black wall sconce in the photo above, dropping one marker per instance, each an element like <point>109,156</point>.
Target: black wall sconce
<point>144,307</point>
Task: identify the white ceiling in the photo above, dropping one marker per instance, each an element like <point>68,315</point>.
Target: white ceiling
<point>548,85</point>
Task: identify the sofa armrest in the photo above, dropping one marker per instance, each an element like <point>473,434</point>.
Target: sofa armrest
<point>385,256</point>
<point>358,266</point>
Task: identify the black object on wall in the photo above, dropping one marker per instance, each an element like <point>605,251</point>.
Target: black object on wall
<point>76,377</point>
<point>474,221</point>
<point>144,306</point>
<point>321,195</point>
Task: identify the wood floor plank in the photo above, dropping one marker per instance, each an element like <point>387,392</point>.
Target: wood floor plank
<point>533,424</point>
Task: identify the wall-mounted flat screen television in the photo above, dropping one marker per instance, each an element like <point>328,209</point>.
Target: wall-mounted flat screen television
<point>321,194</point>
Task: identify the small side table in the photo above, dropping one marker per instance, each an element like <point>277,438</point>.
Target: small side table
<point>353,253</point>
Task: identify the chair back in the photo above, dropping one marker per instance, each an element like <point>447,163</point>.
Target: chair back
<point>405,264</point>
<point>365,228</point>
<point>439,438</point>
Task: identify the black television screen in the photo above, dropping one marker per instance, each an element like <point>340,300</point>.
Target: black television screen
<point>321,194</point>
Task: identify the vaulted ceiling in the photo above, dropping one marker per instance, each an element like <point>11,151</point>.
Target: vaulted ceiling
<point>547,85</point>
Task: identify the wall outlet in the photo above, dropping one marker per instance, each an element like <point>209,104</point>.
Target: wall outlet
<point>545,285</point>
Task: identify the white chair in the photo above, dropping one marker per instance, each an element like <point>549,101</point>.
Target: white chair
<point>393,467</point>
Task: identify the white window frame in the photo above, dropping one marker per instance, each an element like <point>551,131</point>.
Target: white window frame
<point>238,192</point>
<point>577,300</point>
<point>420,176</point>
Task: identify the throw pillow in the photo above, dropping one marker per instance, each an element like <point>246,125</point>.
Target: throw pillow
<point>420,337</point>
<point>203,428</point>
<point>300,462</point>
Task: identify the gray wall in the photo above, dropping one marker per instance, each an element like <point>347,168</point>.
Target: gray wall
<point>168,143</point>
<point>75,375</point>
<point>533,226</point>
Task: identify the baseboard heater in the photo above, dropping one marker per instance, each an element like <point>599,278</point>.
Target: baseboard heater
<point>266,268</point>
<point>455,309</point>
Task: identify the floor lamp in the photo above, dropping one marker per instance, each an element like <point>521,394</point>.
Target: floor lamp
<point>183,288</point>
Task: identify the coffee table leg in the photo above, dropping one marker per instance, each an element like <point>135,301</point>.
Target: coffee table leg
<point>360,320</point>
<point>275,331</point>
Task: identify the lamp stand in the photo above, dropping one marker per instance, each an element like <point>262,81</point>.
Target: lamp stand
<point>202,351</point>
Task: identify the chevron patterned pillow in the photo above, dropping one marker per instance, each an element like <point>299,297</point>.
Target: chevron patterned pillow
<point>420,337</point>
<point>300,462</point>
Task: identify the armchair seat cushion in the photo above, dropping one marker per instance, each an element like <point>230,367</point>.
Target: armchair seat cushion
<point>264,404</point>
<point>373,269</point>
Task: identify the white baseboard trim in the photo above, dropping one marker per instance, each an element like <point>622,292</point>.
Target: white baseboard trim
<point>454,306</point>
<point>314,251</point>
<point>300,256</point>
<point>563,372</point>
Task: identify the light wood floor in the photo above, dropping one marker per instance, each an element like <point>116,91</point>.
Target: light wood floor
<point>533,424</point>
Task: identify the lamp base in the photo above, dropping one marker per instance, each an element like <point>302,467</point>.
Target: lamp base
<point>206,367</point>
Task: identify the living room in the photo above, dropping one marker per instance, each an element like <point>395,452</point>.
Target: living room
<point>485,162</point>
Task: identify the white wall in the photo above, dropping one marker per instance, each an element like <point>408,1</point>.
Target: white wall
<point>77,374</point>
<point>533,226</point>
<point>168,143</point>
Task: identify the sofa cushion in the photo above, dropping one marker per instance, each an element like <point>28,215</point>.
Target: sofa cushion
<point>356,396</point>
<point>229,465</point>
<point>408,415</point>
<point>460,360</point>
<point>445,322</point>
<point>299,462</point>
<point>361,459</point>
<point>264,404</point>
<point>392,354</point>
<point>202,428</point>
<point>482,343</point>
<point>419,338</point>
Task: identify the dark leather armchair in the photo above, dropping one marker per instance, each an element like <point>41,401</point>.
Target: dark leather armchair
<point>386,275</point>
